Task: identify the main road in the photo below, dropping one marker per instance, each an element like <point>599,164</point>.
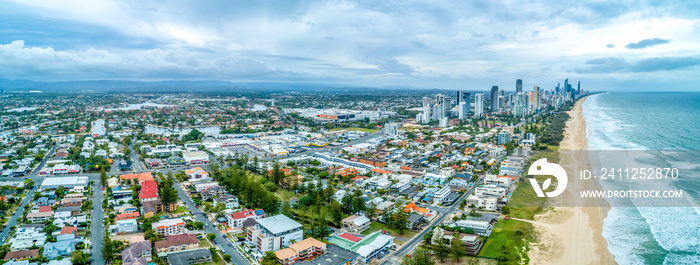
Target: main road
<point>411,244</point>
<point>224,244</point>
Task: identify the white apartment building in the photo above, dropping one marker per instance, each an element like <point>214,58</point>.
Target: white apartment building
<point>169,227</point>
<point>482,228</point>
<point>490,190</point>
<point>275,233</point>
<point>441,194</point>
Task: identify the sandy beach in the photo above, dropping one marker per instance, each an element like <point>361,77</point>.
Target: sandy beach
<point>572,235</point>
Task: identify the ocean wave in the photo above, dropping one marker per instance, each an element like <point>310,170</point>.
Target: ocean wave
<point>644,235</point>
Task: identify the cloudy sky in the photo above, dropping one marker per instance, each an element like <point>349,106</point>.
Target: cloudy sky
<point>650,45</point>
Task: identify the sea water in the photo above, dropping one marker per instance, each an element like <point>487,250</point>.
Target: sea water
<point>650,121</point>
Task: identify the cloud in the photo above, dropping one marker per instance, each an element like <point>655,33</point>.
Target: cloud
<point>618,65</point>
<point>394,66</point>
<point>443,43</point>
<point>646,43</point>
<point>20,61</point>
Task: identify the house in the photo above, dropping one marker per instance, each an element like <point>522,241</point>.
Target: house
<point>126,216</point>
<point>197,174</point>
<point>194,256</point>
<point>125,226</point>
<point>138,253</point>
<point>307,249</point>
<point>356,223</point>
<point>385,206</point>
<point>414,220</point>
<point>203,186</point>
<point>169,227</point>
<point>44,201</point>
<point>137,178</point>
<point>150,208</point>
<point>69,230</point>
<point>273,233</point>
<point>211,192</point>
<point>235,220</point>
<point>472,243</point>
<point>334,256</point>
<point>64,246</point>
<point>21,255</point>
<point>74,210</point>
<point>230,201</point>
<point>39,217</point>
<point>177,243</point>
<point>26,237</point>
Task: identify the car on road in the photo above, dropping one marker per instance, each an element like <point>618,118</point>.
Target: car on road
<point>216,243</point>
<point>20,204</point>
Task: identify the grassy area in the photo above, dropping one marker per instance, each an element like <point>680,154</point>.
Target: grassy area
<point>376,226</point>
<point>285,195</point>
<point>355,129</point>
<point>179,209</point>
<point>205,243</point>
<point>509,242</point>
<point>524,203</point>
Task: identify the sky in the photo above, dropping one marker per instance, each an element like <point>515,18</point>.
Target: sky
<point>470,45</point>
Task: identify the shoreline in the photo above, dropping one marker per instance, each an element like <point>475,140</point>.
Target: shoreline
<point>572,235</point>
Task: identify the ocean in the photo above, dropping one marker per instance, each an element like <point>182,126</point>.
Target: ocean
<point>650,121</point>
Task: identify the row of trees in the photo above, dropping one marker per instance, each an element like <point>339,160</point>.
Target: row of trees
<point>249,189</point>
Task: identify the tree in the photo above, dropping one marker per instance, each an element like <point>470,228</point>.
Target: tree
<point>60,191</point>
<point>211,236</point>
<point>441,249</point>
<point>399,221</point>
<point>336,214</point>
<point>277,174</point>
<point>505,210</point>
<point>269,259</point>
<point>286,209</point>
<point>419,257</point>
<point>78,258</point>
<point>456,248</point>
<point>107,249</point>
<point>103,177</point>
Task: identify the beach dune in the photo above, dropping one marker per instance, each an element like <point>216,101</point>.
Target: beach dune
<point>572,235</point>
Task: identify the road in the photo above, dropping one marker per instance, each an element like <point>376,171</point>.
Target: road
<point>97,228</point>
<point>410,245</point>
<point>236,258</point>
<point>135,161</point>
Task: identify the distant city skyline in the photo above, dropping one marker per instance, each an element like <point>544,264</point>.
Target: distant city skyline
<point>447,45</point>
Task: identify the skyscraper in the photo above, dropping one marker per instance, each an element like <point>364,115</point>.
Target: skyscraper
<point>478,105</point>
<point>463,97</point>
<point>462,110</point>
<point>444,103</point>
<point>519,109</point>
<point>538,97</point>
<point>578,91</point>
<point>518,86</point>
<point>494,98</point>
<point>502,98</point>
